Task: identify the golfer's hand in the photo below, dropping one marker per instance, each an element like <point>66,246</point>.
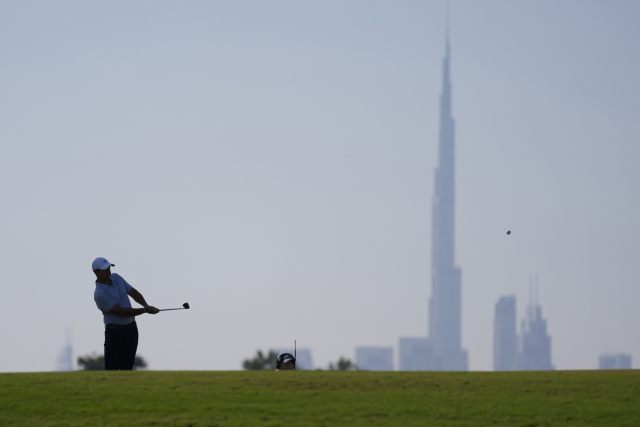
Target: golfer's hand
<point>152,310</point>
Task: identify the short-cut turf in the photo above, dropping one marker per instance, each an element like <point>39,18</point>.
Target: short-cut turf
<point>316,398</point>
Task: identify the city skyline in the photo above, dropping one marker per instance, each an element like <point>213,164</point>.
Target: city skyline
<point>529,350</point>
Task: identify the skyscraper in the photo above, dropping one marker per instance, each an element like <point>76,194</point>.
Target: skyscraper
<point>534,353</point>
<point>65,357</point>
<point>445,301</point>
<point>505,339</point>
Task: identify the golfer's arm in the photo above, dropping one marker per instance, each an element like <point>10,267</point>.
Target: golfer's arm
<point>137,297</point>
<point>126,312</point>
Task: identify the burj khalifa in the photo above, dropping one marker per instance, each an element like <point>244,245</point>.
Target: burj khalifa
<point>444,305</point>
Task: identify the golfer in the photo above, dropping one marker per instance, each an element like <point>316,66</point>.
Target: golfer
<point>285,362</point>
<point>121,332</point>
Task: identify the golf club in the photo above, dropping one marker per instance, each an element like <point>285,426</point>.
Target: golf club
<point>185,306</point>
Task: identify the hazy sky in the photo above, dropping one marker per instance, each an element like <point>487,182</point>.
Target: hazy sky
<point>272,164</point>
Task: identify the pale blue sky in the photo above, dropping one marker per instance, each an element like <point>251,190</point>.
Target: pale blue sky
<point>272,164</point>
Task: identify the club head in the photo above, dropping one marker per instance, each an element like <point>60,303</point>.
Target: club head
<point>186,305</point>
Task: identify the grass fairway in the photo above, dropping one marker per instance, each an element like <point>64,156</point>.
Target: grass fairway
<point>317,398</point>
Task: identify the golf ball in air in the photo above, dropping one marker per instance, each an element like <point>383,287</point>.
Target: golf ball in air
<point>508,231</point>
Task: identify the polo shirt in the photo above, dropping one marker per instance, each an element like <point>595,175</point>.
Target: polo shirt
<point>106,296</point>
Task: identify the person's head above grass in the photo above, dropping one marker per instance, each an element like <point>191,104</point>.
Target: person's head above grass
<point>285,362</point>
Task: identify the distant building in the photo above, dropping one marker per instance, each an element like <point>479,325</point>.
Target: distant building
<point>303,357</point>
<point>535,345</point>
<point>534,352</point>
<point>615,361</point>
<point>442,350</point>
<point>374,358</point>
<point>445,302</point>
<point>505,339</point>
<point>415,354</point>
<point>65,357</point>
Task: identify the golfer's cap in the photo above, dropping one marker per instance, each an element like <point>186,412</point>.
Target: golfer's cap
<point>287,359</point>
<point>101,264</point>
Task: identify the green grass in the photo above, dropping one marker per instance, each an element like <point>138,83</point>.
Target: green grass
<point>317,398</point>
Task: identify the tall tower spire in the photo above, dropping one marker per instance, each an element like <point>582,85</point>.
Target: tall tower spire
<point>445,301</point>
<point>446,29</point>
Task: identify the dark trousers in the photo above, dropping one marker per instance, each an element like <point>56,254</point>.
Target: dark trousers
<point>120,345</point>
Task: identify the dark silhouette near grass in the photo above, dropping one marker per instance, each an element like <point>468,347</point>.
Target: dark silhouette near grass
<point>343,364</point>
<point>260,362</point>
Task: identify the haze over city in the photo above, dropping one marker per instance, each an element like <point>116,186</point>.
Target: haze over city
<point>273,165</point>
